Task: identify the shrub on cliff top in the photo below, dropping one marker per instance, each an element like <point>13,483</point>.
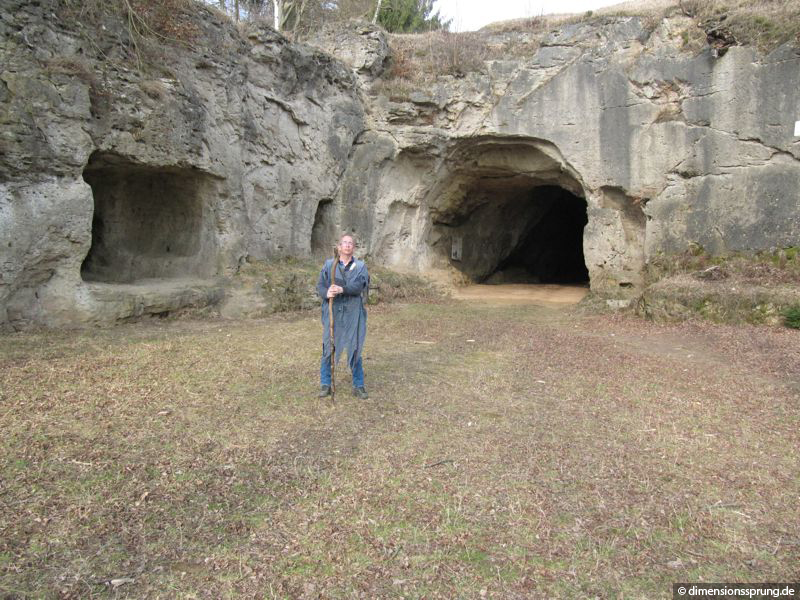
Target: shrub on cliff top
<point>423,57</point>
<point>410,16</point>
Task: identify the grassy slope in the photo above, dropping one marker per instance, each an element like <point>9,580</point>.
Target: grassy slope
<point>418,59</point>
<point>760,288</point>
<point>765,24</point>
<point>548,458</point>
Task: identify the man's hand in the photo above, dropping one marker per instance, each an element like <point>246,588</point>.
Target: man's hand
<point>334,291</point>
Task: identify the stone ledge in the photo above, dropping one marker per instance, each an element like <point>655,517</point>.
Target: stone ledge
<point>113,303</point>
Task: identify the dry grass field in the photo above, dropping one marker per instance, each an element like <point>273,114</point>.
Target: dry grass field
<point>505,452</point>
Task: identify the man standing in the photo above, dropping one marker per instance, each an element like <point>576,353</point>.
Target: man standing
<point>349,315</point>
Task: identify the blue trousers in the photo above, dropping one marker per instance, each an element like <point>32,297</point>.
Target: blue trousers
<point>325,372</point>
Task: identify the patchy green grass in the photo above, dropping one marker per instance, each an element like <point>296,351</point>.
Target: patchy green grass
<point>505,452</point>
<point>791,316</point>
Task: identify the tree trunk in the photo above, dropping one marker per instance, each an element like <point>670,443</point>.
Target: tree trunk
<point>299,12</point>
<point>277,5</point>
<point>377,10</point>
<point>236,9</point>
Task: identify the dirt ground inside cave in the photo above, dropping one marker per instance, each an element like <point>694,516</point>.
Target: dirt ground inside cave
<point>518,293</point>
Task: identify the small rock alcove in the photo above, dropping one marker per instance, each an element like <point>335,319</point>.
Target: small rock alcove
<point>324,229</point>
<point>511,212</point>
<point>148,222</point>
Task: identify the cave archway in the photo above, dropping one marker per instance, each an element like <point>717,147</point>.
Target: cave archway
<point>511,211</point>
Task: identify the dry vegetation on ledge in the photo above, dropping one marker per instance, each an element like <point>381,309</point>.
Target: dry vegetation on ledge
<point>506,452</point>
<point>761,289</point>
<point>137,33</point>
<point>289,284</point>
<point>765,24</point>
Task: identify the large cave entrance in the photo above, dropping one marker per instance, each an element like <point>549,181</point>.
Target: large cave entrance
<point>511,211</point>
<point>148,222</point>
<point>551,251</point>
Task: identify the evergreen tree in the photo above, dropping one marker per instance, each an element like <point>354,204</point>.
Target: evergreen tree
<point>410,16</point>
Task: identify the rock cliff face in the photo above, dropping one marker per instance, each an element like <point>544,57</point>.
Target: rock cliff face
<point>663,148</point>
<point>123,194</point>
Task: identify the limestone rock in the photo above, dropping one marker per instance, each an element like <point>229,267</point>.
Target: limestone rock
<point>579,152</point>
<point>360,45</point>
<point>112,177</point>
<point>665,148</point>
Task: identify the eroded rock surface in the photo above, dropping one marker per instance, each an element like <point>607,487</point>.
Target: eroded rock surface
<point>666,148</point>
<point>115,183</point>
<point>592,149</point>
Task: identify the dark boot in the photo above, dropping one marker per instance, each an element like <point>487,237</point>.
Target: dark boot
<point>360,393</point>
<point>324,391</point>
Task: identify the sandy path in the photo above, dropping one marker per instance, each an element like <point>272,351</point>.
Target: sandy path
<point>518,293</point>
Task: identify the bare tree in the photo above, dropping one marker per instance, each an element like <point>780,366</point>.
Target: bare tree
<point>288,14</point>
<point>277,11</point>
<point>299,18</point>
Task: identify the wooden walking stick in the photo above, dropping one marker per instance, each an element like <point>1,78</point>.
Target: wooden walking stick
<point>330,318</point>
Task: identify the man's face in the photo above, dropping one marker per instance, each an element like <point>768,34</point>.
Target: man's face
<point>346,246</point>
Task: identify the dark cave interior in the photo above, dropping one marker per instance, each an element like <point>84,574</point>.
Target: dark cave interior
<point>551,251</point>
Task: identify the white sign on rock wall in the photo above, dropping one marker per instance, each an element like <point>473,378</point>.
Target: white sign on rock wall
<point>455,251</point>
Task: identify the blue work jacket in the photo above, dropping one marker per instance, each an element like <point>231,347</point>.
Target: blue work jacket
<point>349,312</point>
